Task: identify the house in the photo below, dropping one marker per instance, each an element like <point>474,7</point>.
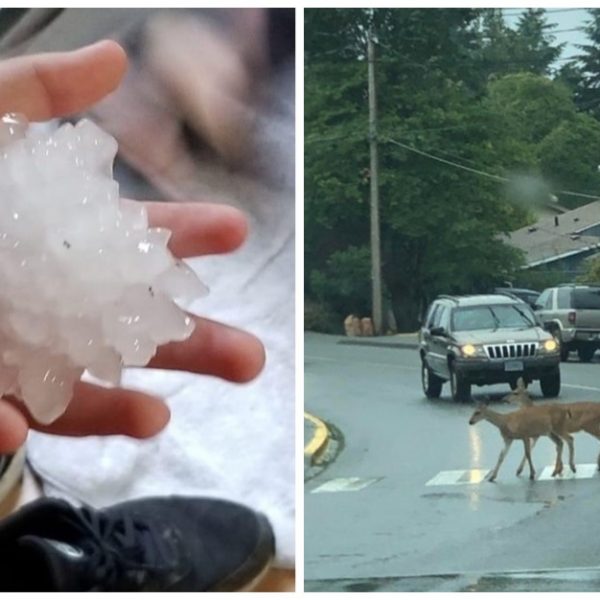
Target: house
<point>560,242</point>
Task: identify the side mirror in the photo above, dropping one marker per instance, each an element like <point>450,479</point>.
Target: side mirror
<point>437,331</point>
<point>538,307</point>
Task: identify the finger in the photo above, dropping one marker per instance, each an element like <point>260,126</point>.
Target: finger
<point>44,86</point>
<point>13,428</point>
<point>199,228</point>
<point>95,410</point>
<point>214,349</point>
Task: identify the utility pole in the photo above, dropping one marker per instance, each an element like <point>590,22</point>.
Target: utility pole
<point>375,237</point>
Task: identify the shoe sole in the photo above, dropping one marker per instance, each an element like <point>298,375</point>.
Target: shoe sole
<point>252,571</point>
<point>11,476</point>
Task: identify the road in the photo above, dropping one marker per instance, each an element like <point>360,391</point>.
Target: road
<point>391,531</point>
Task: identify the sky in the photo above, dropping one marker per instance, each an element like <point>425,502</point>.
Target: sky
<point>565,19</point>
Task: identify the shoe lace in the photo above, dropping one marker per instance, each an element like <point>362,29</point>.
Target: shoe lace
<point>123,550</point>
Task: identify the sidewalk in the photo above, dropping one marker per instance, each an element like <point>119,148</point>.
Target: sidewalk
<point>400,340</point>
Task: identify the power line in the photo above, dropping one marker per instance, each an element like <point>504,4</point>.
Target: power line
<point>478,171</point>
<point>447,162</point>
<point>559,10</point>
<point>334,138</point>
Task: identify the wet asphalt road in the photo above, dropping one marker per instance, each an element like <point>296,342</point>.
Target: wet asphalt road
<point>399,534</point>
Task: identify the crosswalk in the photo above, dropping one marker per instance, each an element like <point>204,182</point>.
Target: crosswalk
<point>475,476</point>
<point>345,484</point>
<point>460,477</point>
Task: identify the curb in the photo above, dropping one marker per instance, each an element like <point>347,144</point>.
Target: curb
<point>316,446</point>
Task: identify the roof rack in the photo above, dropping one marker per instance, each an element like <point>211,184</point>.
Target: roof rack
<point>509,295</point>
<point>447,297</point>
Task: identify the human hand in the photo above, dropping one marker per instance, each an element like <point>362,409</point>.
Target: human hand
<point>53,85</point>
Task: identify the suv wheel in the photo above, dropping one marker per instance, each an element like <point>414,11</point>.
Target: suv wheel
<point>432,384</point>
<point>550,384</point>
<point>461,389</point>
<point>586,353</point>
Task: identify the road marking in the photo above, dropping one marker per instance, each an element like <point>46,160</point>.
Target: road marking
<point>583,472</point>
<point>460,477</point>
<point>344,484</point>
<point>581,387</point>
<point>473,476</point>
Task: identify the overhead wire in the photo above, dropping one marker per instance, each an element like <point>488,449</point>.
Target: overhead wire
<point>478,171</point>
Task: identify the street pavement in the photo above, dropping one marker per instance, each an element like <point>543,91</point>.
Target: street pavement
<point>372,522</point>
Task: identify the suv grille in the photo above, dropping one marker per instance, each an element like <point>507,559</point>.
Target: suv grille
<point>511,350</point>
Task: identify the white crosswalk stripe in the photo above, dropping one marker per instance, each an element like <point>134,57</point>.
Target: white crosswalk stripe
<point>474,476</point>
<point>344,484</point>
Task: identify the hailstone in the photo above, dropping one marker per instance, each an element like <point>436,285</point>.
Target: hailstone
<point>86,284</point>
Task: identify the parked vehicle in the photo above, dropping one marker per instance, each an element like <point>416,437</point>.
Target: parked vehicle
<point>482,340</point>
<point>572,314</point>
<point>529,296</point>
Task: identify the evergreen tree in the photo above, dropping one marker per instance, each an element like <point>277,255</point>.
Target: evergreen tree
<point>588,91</point>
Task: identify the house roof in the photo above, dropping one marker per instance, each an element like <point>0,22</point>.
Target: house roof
<point>554,237</point>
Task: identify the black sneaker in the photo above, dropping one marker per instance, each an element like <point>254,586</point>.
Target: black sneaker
<point>11,470</point>
<point>153,544</point>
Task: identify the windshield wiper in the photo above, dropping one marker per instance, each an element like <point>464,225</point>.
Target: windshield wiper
<point>496,319</point>
<point>524,315</point>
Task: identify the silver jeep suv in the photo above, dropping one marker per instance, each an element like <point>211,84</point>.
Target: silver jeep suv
<point>485,339</point>
<point>572,314</point>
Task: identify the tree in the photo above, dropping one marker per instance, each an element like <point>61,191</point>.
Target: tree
<point>592,271</point>
<point>569,157</point>
<point>588,90</point>
<point>532,105</point>
<point>534,50</point>
<point>441,224</point>
<point>528,48</point>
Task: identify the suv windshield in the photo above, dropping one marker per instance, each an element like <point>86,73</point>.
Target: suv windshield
<point>587,298</point>
<point>499,316</point>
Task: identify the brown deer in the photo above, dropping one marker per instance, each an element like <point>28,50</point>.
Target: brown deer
<point>524,424</point>
<point>584,416</point>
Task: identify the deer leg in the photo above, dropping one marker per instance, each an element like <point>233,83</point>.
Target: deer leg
<point>558,467</point>
<point>527,444</point>
<point>522,464</point>
<point>593,432</point>
<point>569,439</point>
<point>503,452</point>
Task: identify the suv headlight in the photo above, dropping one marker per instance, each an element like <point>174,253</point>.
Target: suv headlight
<point>550,346</point>
<point>472,351</point>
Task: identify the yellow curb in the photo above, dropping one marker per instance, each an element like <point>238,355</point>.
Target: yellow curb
<point>319,439</point>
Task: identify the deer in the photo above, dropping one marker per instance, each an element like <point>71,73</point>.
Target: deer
<point>524,424</point>
<point>584,416</point>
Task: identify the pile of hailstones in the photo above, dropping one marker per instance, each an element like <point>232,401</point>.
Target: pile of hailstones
<point>86,285</point>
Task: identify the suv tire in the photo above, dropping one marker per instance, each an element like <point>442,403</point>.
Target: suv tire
<point>432,384</point>
<point>586,353</point>
<point>550,384</point>
<point>461,389</point>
